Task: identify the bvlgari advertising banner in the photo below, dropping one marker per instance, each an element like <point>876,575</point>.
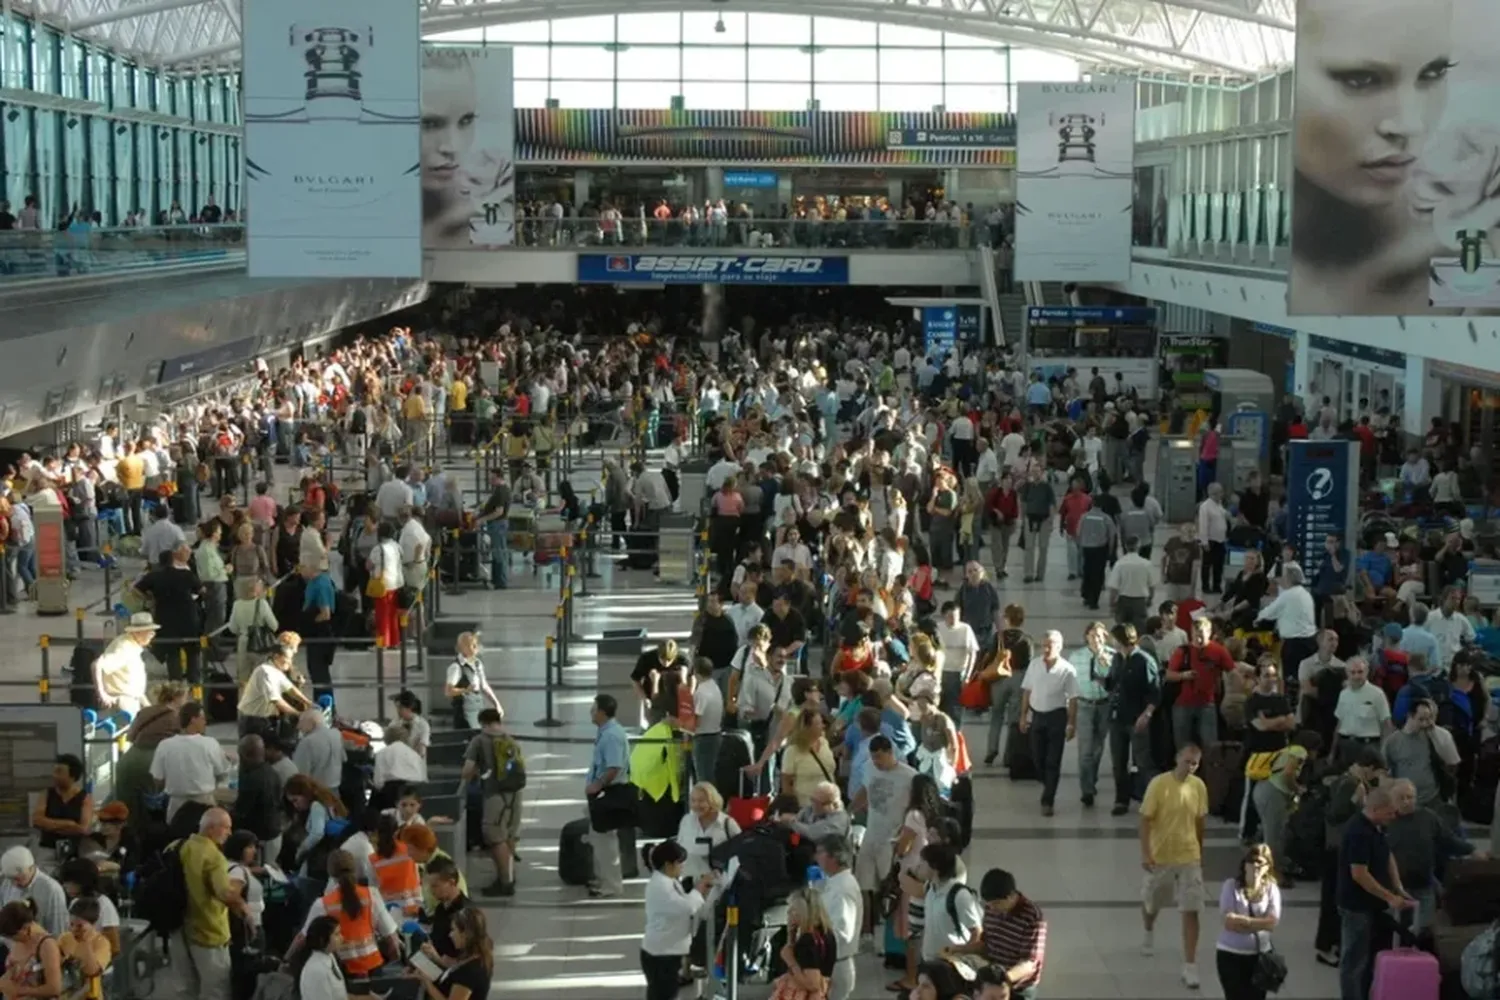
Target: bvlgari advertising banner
<point>468,147</point>
<point>1396,149</point>
<point>332,138</point>
<point>1075,143</point>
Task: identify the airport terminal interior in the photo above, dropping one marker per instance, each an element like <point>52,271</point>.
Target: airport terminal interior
<point>711,177</point>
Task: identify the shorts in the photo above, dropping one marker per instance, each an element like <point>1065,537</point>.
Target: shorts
<point>502,819</point>
<point>873,862</point>
<point>1185,881</point>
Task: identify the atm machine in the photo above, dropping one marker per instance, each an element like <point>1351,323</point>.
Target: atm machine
<point>1177,478</point>
<point>1244,400</point>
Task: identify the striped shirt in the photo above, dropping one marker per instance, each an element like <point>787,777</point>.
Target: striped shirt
<point>1015,937</point>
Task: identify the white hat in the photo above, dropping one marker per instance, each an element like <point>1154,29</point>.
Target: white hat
<point>1392,540</point>
<point>15,861</point>
<point>142,621</point>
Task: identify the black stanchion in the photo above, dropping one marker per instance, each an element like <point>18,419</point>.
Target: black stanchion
<point>421,636</point>
<point>380,713</point>
<point>455,586</point>
<point>7,599</point>
<point>550,721</point>
<point>731,947</point>
<point>405,626</point>
<point>109,581</point>
<point>44,683</point>
<point>78,614</point>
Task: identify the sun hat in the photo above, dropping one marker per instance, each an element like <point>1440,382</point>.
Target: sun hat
<point>141,621</point>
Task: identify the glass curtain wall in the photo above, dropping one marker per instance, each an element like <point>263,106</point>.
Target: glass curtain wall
<point>101,156</point>
<point>736,61</point>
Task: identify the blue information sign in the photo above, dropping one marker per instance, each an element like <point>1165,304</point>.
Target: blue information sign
<point>207,360</point>
<point>1083,315</point>
<point>711,269</point>
<point>942,326</point>
<point>1322,499</point>
<point>749,179</point>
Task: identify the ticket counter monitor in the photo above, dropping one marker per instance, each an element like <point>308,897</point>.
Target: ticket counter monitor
<point>1176,478</point>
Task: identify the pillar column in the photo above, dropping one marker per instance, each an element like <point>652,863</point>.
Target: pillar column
<point>713,320</point>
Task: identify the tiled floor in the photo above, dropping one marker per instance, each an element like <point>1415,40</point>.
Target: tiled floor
<point>1081,866</point>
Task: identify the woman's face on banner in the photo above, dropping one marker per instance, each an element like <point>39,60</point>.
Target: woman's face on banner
<point>1371,80</point>
<point>449,112</point>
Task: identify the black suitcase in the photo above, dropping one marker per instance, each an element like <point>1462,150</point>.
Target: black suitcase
<point>658,819</point>
<point>1018,759</point>
<point>575,855</point>
<point>961,808</point>
<point>639,552</point>
<point>736,751</point>
<point>221,698</point>
<point>81,690</point>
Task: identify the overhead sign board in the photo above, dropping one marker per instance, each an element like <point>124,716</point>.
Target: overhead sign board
<point>749,179</point>
<point>711,269</point>
<point>951,138</point>
<point>1085,315</point>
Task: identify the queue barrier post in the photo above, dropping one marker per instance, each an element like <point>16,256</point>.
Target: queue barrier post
<point>380,713</point>
<point>455,586</point>
<point>421,608</point>
<point>7,599</point>
<point>78,616</point>
<point>732,947</point>
<point>550,721</point>
<point>579,566</point>
<point>405,622</point>
<point>195,684</point>
<point>109,581</point>
<point>435,587</point>
<point>591,570</point>
<point>44,683</point>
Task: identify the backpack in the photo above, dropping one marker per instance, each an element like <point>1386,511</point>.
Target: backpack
<point>1480,967</point>
<point>510,764</point>
<point>160,896</point>
<point>1135,524</point>
<point>952,905</point>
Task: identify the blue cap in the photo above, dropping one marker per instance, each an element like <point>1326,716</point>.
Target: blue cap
<point>1392,631</point>
<point>90,716</point>
<point>411,927</point>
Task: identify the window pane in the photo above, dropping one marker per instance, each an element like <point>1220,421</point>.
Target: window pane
<point>844,65</point>
<point>702,28</point>
<point>600,28</point>
<point>848,97</point>
<point>899,35</point>
<point>657,94</point>
<point>909,97</point>
<point>648,62</point>
<point>911,65</point>
<point>976,97</point>
<point>654,27</point>
<point>713,64</point>
<point>714,96</point>
<point>531,93</point>
<point>953,40</point>
<point>1045,67</point>
<point>779,96</point>
<point>785,65</point>
<point>582,62</point>
<point>530,62</point>
<point>780,29</point>
<point>837,31</point>
<point>469,35</point>
<point>525,31</point>
<point>584,93</point>
<point>975,66</point>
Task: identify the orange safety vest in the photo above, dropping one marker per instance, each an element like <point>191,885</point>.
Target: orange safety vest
<point>399,882</point>
<point>359,952</point>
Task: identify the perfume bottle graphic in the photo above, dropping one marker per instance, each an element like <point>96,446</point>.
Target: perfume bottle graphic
<point>1472,279</point>
<point>332,56</point>
<point>1075,136</point>
<point>1470,249</point>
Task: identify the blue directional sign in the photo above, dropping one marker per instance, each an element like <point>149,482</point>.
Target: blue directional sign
<point>1322,482</point>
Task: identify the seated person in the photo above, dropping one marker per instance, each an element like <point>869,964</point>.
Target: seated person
<point>1244,594</point>
<point>80,880</point>
<point>84,946</point>
<point>66,812</point>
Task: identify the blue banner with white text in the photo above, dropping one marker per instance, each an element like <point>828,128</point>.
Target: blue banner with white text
<point>1322,482</point>
<point>711,269</point>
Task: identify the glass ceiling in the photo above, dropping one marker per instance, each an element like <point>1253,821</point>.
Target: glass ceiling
<point>1237,37</point>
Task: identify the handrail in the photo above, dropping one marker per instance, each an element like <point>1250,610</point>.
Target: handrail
<point>36,254</point>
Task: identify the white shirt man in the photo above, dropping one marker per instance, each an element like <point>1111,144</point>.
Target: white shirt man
<point>762,694</point>
<point>120,673</point>
<point>1213,522</point>
<point>845,905</point>
<point>962,429</point>
<point>1010,448</point>
<point>708,706</point>
<point>1363,712</point>
<point>650,489</point>
<point>1050,689</point>
<point>960,647</point>
<point>745,615</point>
<point>416,547</point>
<point>1292,610</point>
<point>391,497</point>
<point>1451,629</point>
<point>722,470</point>
<point>795,552</point>
<point>1134,577</point>
<point>938,932</point>
<point>398,762</point>
<point>987,471</point>
<point>190,767</point>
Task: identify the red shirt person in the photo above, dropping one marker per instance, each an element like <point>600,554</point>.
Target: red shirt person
<point>1199,667</point>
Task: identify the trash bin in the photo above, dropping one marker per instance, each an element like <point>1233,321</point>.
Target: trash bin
<point>623,642</point>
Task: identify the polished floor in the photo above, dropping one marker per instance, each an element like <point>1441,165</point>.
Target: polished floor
<point>1082,866</point>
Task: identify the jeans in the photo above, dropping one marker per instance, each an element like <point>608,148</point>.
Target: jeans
<point>1049,734</point>
<point>1093,566</point>
<point>1000,546</point>
<point>661,975</point>
<point>1274,808</point>
<point>1212,570</point>
<point>1093,736</point>
<point>1235,972</point>
<point>1075,558</point>
<point>26,564</point>
<point>1327,936</point>
<point>1362,936</point>
<point>1124,744</point>
<point>1195,724</point>
<point>1036,538</point>
<point>705,755</point>
<point>1005,706</point>
<point>499,532</point>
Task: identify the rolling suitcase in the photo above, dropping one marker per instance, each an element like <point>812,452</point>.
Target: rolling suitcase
<point>1221,762</point>
<point>1018,759</point>
<point>736,750</point>
<point>575,856</point>
<point>961,808</point>
<point>747,810</point>
<point>1405,974</point>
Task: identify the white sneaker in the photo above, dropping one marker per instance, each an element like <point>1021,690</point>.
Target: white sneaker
<point>867,943</point>
<point>1148,944</point>
<point>1190,976</point>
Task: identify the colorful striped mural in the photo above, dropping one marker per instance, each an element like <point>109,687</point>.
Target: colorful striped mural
<point>876,138</point>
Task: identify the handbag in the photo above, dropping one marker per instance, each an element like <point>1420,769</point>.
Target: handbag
<point>1270,968</point>
<point>613,808</point>
<point>261,640</point>
<point>975,695</point>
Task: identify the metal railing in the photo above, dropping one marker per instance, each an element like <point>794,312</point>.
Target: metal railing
<point>853,234</point>
<point>36,254</point>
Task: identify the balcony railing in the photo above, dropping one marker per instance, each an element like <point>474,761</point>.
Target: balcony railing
<point>37,254</point>
<point>754,234</point>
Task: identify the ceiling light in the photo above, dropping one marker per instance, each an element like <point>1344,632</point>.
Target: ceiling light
<point>719,25</point>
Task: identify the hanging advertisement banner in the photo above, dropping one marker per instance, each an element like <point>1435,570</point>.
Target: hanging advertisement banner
<point>1399,221</point>
<point>710,269</point>
<point>1074,180</point>
<point>332,138</point>
<point>468,147</point>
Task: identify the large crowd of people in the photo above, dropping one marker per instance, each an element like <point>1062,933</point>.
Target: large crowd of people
<point>878,523</point>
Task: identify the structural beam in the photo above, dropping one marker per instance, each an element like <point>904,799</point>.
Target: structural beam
<point>127,12</point>
<point>201,55</point>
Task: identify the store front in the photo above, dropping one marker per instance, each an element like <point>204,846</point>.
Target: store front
<point>1470,403</point>
<point>1355,378</point>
